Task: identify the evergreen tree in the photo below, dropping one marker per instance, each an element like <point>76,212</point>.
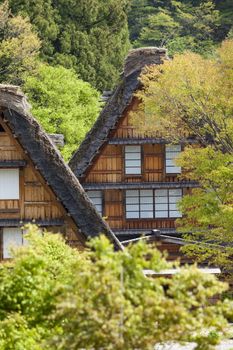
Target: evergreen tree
<point>19,46</point>
<point>226,15</point>
<point>181,26</point>
<point>90,36</point>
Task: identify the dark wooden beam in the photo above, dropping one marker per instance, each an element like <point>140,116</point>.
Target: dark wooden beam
<point>139,185</point>
<point>146,140</point>
<point>13,163</point>
<point>17,222</point>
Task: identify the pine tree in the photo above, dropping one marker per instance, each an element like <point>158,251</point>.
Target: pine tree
<point>90,36</point>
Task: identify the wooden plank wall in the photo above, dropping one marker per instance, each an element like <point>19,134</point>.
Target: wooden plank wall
<point>110,167</point>
<point>125,127</point>
<point>36,199</point>
<point>114,212</point>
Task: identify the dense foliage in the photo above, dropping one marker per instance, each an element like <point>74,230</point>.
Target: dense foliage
<point>193,96</point>
<point>180,26</point>
<point>196,25</point>
<point>89,40</point>
<point>62,103</point>
<point>53,297</point>
<point>19,47</point>
<point>90,36</point>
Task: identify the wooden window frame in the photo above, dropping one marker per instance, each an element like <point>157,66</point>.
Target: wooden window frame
<point>166,159</point>
<point>141,161</point>
<point>153,204</point>
<point>102,200</point>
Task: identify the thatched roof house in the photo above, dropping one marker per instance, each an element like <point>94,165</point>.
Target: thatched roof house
<point>116,105</point>
<point>37,152</point>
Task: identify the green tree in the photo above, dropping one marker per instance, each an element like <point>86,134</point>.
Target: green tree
<point>138,13</point>
<point>208,209</point>
<point>182,26</point>
<point>29,286</point>
<point>90,36</point>
<point>193,96</point>
<point>226,16</point>
<point>54,297</point>
<point>19,46</point>
<point>62,103</point>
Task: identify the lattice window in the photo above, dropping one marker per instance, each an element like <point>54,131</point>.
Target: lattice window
<point>166,203</point>
<point>97,199</point>
<point>133,160</point>
<point>172,152</point>
<point>139,204</point>
<point>175,196</point>
<point>152,204</point>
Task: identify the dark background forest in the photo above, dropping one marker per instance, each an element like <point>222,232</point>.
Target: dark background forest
<point>52,47</point>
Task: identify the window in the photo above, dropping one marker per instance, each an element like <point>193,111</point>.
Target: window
<point>9,183</point>
<point>133,160</point>
<point>150,204</point>
<point>139,204</point>
<point>96,198</point>
<point>166,203</point>
<point>12,236</point>
<point>172,152</point>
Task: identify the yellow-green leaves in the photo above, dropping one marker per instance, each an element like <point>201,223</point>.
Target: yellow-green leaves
<point>19,47</point>
<point>62,103</point>
<point>54,297</point>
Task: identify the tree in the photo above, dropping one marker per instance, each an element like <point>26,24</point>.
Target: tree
<point>208,209</point>
<point>54,297</point>
<point>30,284</point>
<point>90,36</point>
<point>138,13</point>
<point>226,18</point>
<point>19,46</point>
<point>193,96</point>
<point>62,103</point>
<point>182,26</point>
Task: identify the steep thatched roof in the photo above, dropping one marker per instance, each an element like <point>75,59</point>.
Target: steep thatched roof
<point>117,103</point>
<point>50,164</point>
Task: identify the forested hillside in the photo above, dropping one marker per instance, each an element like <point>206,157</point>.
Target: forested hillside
<point>87,40</point>
<point>90,36</point>
<point>196,25</point>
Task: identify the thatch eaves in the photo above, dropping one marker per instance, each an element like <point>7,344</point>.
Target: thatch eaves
<point>121,98</point>
<point>48,161</point>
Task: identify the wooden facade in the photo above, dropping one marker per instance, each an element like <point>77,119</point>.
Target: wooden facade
<point>131,176</point>
<point>107,174</point>
<point>36,201</point>
<point>35,183</point>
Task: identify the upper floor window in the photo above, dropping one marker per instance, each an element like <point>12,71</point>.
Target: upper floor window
<point>12,237</point>
<point>152,204</point>
<point>133,160</point>
<point>96,198</point>
<point>172,152</point>
<point>9,183</point>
